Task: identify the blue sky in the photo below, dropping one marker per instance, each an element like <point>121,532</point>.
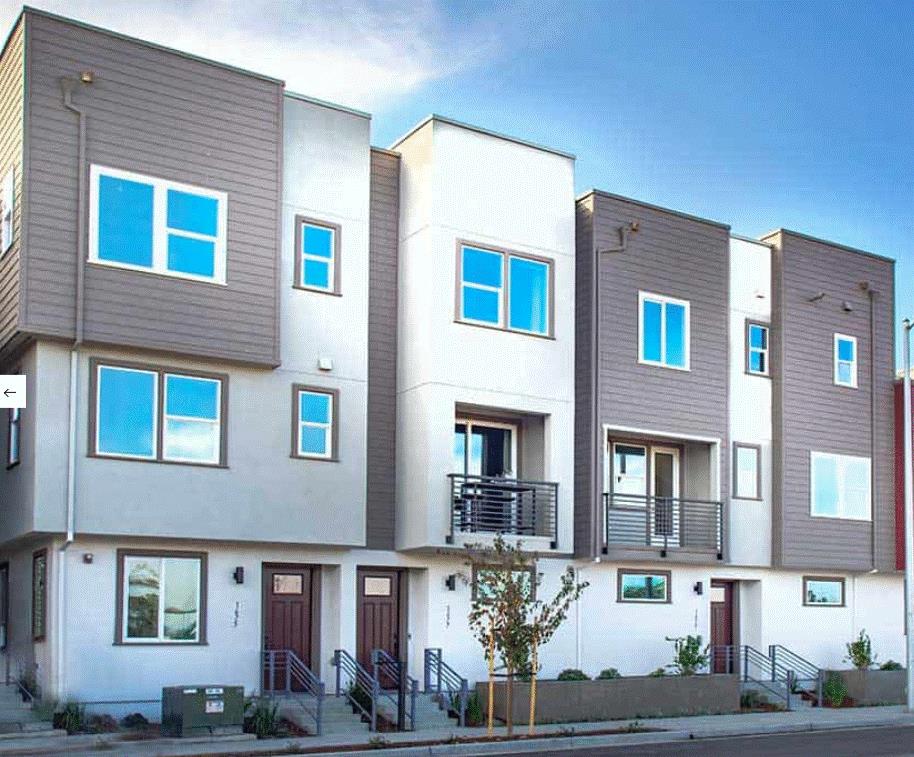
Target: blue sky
<point>757,114</point>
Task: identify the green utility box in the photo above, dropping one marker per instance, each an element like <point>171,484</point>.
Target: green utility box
<point>202,710</point>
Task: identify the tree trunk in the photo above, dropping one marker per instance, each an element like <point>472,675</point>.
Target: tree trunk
<point>531,722</point>
<point>509,703</point>
<point>491,715</point>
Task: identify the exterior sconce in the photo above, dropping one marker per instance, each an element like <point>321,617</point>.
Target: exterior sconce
<point>450,582</point>
<point>238,575</point>
<point>699,588</point>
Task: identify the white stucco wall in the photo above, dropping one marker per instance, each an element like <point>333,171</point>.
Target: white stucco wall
<point>750,400</point>
<point>462,185</point>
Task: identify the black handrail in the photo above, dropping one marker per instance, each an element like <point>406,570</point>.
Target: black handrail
<point>441,679</point>
<point>297,679</point>
<point>389,668</point>
<point>357,678</point>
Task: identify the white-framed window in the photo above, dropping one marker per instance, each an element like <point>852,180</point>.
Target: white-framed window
<point>132,403</point>
<point>162,598</point>
<point>664,332</point>
<point>757,349</point>
<point>314,419</point>
<point>644,586</point>
<point>823,591</point>
<point>505,290</point>
<point>840,486</point>
<point>144,223</point>
<point>747,475</point>
<point>846,360</point>
<point>7,205</point>
<point>317,246</point>
<point>13,437</point>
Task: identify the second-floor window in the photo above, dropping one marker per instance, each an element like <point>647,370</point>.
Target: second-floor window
<point>840,486</point>
<point>150,224</point>
<point>846,361</point>
<point>317,264</point>
<point>13,437</point>
<point>747,477</point>
<point>313,423</point>
<point>757,349</point>
<point>7,203</point>
<point>664,331</point>
<point>154,414</point>
<point>504,290</point>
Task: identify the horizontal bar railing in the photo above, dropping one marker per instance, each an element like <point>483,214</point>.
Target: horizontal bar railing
<point>664,522</point>
<point>756,668</point>
<point>389,669</point>
<point>357,685</point>
<point>441,679</point>
<point>285,673</point>
<point>490,504</point>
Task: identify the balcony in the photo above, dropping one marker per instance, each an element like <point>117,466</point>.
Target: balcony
<point>508,506</point>
<point>664,524</point>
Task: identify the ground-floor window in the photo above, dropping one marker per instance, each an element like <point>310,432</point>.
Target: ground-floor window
<point>823,591</point>
<point>4,603</point>
<point>644,586</point>
<point>162,597</point>
<point>39,594</point>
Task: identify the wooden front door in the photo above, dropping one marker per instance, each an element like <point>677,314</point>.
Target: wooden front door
<point>378,615</point>
<point>722,635</point>
<point>289,606</point>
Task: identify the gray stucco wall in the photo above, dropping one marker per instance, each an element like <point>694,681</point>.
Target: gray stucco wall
<point>158,113</point>
<point>382,349</point>
<point>811,413</point>
<point>17,484</point>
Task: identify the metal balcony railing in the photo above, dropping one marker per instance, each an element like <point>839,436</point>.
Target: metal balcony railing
<point>664,523</point>
<point>486,504</point>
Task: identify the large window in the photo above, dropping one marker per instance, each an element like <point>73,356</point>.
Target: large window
<point>7,204</point>
<point>314,419</point>
<point>840,486</point>
<point>846,361</point>
<point>505,290</point>
<point>747,471</point>
<point>162,597</point>
<point>664,331</point>
<point>150,224</point>
<point>485,448</point>
<point>317,261</point>
<point>642,586</point>
<point>132,404</point>
<point>757,349</point>
<point>823,591</point>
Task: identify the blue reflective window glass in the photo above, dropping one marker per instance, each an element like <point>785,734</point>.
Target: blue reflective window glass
<point>194,256</point>
<point>757,362</point>
<point>192,397</point>
<point>317,240</point>
<point>481,304</point>
<point>316,273</point>
<point>845,350</point>
<point>125,221</point>
<point>126,412</point>
<point>192,212</point>
<point>650,336</point>
<point>675,335</point>
<point>529,291</point>
<point>825,496</point>
<point>312,440</point>
<point>314,407</point>
<point>482,267</point>
<point>758,337</point>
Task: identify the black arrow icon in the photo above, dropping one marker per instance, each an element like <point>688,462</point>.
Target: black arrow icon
<point>8,392</point>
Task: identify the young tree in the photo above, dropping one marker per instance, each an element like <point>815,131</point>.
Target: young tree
<point>507,618</point>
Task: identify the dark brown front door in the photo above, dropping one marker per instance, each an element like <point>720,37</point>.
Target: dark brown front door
<point>288,613</point>
<point>378,615</point>
<point>722,625</point>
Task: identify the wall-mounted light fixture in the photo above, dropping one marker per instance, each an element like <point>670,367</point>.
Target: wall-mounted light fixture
<point>699,588</point>
<point>87,77</point>
<point>88,557</point>
<point>238,575</point>
<point>450,582</point>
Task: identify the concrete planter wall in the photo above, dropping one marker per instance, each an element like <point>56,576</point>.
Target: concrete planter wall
<point>618,699</point>
<point>872,687</point>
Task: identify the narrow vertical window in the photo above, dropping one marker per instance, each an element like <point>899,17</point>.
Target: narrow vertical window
<point>757,349</point>
<point>7,203</point>
<point>529,295</point>
<point>4,604</point>
<point>13,437</point>
<point>664,331</point>
<point>39,594</point>
<point>846,361</point>
<point>314,418</point>
<point>317,261</point>
<point>746,471</point>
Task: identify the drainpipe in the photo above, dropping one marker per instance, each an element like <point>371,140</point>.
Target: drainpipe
<point>596,456</point>
<point>67,86</point>
<point>867,287</point>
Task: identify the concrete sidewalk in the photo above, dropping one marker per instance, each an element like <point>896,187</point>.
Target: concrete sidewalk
<point>560,737</point>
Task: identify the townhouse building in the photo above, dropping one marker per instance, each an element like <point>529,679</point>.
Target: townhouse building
<point>279,379</point>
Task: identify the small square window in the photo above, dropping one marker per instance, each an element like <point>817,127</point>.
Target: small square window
<point>641,586</point>
<point>313,423</point>
<point>840,486</point>
<point>317,263</point>
<point>845,361</point>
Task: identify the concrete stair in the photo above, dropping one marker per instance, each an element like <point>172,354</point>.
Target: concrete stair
<point>337,717</point>
<point>429,716</point>
<point>16,716</point>
<point>775,692</point>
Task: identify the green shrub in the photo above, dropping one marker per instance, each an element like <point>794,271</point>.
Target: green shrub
<point>359,696</point>
<point>688,655</point>
<point>609,674</point>
<point>474,715</point>
<point>659,673</point>
<point>891,665</point>
<point>835,690</point>
<point>101,724</point>
<point>860,652</point>
<point>750,700</point>
<point>134,721</point>
<point>263,718</point>
<point>72,718</point>
<point>573,674</point>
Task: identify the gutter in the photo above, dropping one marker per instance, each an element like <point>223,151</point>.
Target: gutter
<point>874,531</point>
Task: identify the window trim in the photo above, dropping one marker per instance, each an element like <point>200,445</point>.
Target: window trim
<point>119,615</point>
<point>96,363</point>
<point>10,422</point>
<point>854,363</point>
<point>39,634</point>
<point>832,579</point>
<point>470,420</point>
<point>9,208</point>
<point>813,454</point>
<point>5,604</point>
<point>664,300</point>
<point>668,575</point>
<point>334,394</point>
<point>531,569</point>
<point>335,261</point>
<point>504,302</point>
<point>749,348</point>
<point>757,448</point>
<point>160,229</point>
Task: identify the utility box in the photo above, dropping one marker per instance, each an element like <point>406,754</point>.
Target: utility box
<point>202,710</point>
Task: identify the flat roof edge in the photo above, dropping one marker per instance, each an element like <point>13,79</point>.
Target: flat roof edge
<point>652,206</point>
<point>829,243</point>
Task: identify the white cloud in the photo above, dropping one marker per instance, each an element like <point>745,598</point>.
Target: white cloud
<point>356,52</point>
